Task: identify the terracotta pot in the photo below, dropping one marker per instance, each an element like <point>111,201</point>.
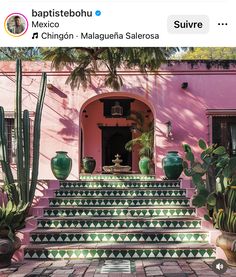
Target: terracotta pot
<point>172,164</point>
<point>227,242</point>
<point>61,165</point>
<point>7,249</point>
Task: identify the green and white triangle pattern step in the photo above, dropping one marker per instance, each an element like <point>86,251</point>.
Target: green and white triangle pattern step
<point>45,252</point>
<point>120,184</point>
<point>118,223</point>
<point>117,212</point>
<point>119,217</point>
<point>176,237</point>
<point>121,193</point>
<point>112,177</point>
<point>118,202</point>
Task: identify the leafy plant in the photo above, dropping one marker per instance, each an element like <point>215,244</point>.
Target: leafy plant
<point>23,189</point>
<point>12,218</point>
<point>214,177</point>
<point>145,140</point>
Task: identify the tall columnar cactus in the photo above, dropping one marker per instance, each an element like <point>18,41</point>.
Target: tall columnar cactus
<point>215,180</point>
<point>4,159</point>
<point>23,184</point>
<point>36,136</point>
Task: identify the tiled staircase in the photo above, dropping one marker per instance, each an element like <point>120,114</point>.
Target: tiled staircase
<point>119,217</point>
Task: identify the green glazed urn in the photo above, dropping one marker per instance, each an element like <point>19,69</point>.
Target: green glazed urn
<point>144,165</point>
<point>89,164</point>
<point>172,165</point>
<point>61,165</point>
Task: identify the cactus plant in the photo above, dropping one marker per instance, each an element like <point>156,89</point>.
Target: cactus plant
<point>12,218</point>
<point>23,189</point>
<point>215,180</point>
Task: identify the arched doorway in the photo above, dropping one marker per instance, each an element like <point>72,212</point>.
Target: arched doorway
<point>105,135</point>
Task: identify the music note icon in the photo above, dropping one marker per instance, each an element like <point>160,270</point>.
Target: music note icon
<point>35,35</point>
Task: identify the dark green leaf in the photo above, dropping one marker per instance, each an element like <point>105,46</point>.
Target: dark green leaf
<point>199,201</point>
<point>197,179</point>
<point>186,148</point>
<point>189,156</point>
<point>227,172</point>
<point>202,144</point>
<point>187,172</point>
<point>207,218</point>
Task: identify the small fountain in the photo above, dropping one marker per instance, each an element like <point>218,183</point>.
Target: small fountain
<point>117,168</point>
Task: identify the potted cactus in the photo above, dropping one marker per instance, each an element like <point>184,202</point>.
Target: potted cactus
<point>214,176</point>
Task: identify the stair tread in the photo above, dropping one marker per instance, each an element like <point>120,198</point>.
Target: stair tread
<point>115,231</point>
<point>120,246</point>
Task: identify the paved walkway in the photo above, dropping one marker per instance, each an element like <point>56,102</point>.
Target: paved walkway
<point>95,268</point>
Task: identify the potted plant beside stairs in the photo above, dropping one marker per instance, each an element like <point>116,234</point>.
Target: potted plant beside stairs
<point>12,218</point>
<point>144,141</point>
<point>215,180</point>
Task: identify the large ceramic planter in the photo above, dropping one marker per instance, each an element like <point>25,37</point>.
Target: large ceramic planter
<point>227,242</point>
<point>144,165</point>
<point>7,249</point>
<point>89,164</point>
<point>61,165</point>
<point>172,165</point>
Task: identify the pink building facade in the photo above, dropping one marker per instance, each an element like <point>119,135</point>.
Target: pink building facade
<point>186,102</point>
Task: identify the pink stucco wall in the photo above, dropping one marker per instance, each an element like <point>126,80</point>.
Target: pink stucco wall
<point>161,91</point>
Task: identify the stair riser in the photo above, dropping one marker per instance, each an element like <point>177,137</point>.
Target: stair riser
<point>119,238</point>
<point>112,177</point>
<point>119,185</point>
<point>119,193</point>
<point>118,224</point>
<point>120,202</point>
<point>119,254</point>
<point>121,212</point>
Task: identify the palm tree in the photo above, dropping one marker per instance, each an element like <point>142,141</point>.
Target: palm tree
<point>86,61</point>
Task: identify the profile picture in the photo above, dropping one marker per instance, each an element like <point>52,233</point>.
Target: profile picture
<point>16,24</point>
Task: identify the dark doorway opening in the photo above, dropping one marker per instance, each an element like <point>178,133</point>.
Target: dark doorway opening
<point>113,142</point>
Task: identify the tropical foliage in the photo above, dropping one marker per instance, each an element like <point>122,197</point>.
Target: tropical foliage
<point>209,53</point>
<point>214,177</point>
<point>86,62</point>
<point>145,140</point>
<point>23,53</point>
